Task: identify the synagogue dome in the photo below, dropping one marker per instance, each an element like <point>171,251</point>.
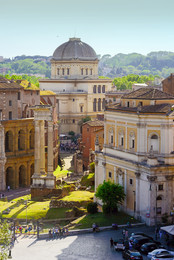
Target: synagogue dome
<point>74,49</point>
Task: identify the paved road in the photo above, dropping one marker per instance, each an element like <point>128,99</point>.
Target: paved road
<point>81,247</point>
<point>12,194</point>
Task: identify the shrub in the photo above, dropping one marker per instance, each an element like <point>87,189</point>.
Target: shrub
<point>108,210</point>
<point>92,208</point>
<point>92,167</point>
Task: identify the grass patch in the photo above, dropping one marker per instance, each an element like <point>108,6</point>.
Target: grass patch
<point>79,196</point>
<point>103,220</point>
<point>60,173</point>
<point>56,213</point>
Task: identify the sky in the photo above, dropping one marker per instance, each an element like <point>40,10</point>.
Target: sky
<point>38,27</point>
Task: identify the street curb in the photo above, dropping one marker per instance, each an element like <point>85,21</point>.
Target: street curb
<point>90,230</point>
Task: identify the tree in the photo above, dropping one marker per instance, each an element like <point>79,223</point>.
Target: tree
<point>111,195</point>
<point>5,239</point>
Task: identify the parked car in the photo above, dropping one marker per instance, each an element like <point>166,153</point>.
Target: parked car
<point>138,242</point>
<point>119,245</point>
<point>132,254</point>
<point>141,234</point>
<point>133,237</point>
<point>148,247</point>
<point>159,251</point>
<point>163,257</point>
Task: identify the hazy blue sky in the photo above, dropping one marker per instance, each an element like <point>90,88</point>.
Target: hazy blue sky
<point>33,27</point>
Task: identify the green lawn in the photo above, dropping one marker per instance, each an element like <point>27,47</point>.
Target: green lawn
<point>103,220</point>
<point>79,196</point>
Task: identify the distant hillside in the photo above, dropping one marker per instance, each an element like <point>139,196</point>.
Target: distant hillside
<point>155,63</point>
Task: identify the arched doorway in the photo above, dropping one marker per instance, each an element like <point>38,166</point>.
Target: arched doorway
<point>10,177</point>
<point>22,176</point>
<point>31,172</point>
<point>9,141</point>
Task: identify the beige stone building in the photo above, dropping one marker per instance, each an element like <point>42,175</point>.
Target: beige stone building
<point>74,78</point>
<point>138,153</point>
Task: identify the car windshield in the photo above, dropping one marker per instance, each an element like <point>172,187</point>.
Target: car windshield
<point>164,256</point>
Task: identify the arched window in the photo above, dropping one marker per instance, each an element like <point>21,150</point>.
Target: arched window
<point>132,140</point>
<point>22,176</point>
<point>99,88</point>
<point>94,89</point>
<point>95,105</point>
<point>154,142</point>
<point>99,104</point>
<point>159,197</point>
<point>121,138</point>
<point>9,141</point>
<point>103,103</point>
<point>21,140</point>
<point>111,136</point>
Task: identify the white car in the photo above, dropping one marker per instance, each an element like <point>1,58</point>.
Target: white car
<point>163,257</point>
<point>159,251</point>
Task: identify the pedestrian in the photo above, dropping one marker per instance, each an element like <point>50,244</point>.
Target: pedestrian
<point>8,188</point>
<point>126,234</point>
<point>49,232</point>
<point>160,233</point>
<point>56,231</point>
<point>67,232</point>
<point>94,227</point>
<point>53,233</point>
<point>130,245</point>
<point>111,242</point>
<point>123,233</point>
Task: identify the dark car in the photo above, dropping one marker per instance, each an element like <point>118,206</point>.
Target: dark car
<point>132,254</point>
<point>141,234</point>
<point>138,242</point>
<point>133,237</point>
<point>148,247</point>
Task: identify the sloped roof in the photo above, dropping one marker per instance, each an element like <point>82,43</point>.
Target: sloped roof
<point>159,108</point>
<point>147,93</point>
<point>9,84</point>
<point>94,123</point>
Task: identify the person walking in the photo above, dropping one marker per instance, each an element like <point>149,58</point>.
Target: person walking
<point>8,188</point>
<point>111,242</point>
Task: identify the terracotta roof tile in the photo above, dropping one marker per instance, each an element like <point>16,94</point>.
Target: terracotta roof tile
<point>147,93</point>
<point>95,123</point>
<point>8,84</point>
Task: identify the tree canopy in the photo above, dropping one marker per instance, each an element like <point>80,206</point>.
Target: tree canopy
<point>5,239</point>
<point>111,194</point>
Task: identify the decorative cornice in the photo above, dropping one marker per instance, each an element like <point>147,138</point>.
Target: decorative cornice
<point>166,125</point>
<point>119,171</point>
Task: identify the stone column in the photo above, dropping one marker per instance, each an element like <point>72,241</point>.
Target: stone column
<point>50,149</point>
<point>42,148</point>
<point>37,149</point>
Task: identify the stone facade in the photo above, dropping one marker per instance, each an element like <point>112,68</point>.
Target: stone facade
<point>75,81</point>
<point>138,153</point>
<point>90,131</point>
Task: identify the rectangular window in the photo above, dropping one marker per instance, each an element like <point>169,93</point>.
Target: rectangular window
<point>19,96</point>
<point>73,121</point>
<point>86,71</point>
<point>68,71</point>
<point>99,88</point>
<point>81,71</point>
<point>88,129</point>
<point>81,109</point>
<point>10,103</point>
<point>128,104</point>
<point>58,71</point>
<point>94,89</point>
<point>160,187</point>
<point>73,100</point>
<point>110,174</point>
<point>91,71</point>
<point>131,181</point>
<point>112,139</point>
<point>63,71</point>
<point>103,89</point>
<point>10,115</point>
